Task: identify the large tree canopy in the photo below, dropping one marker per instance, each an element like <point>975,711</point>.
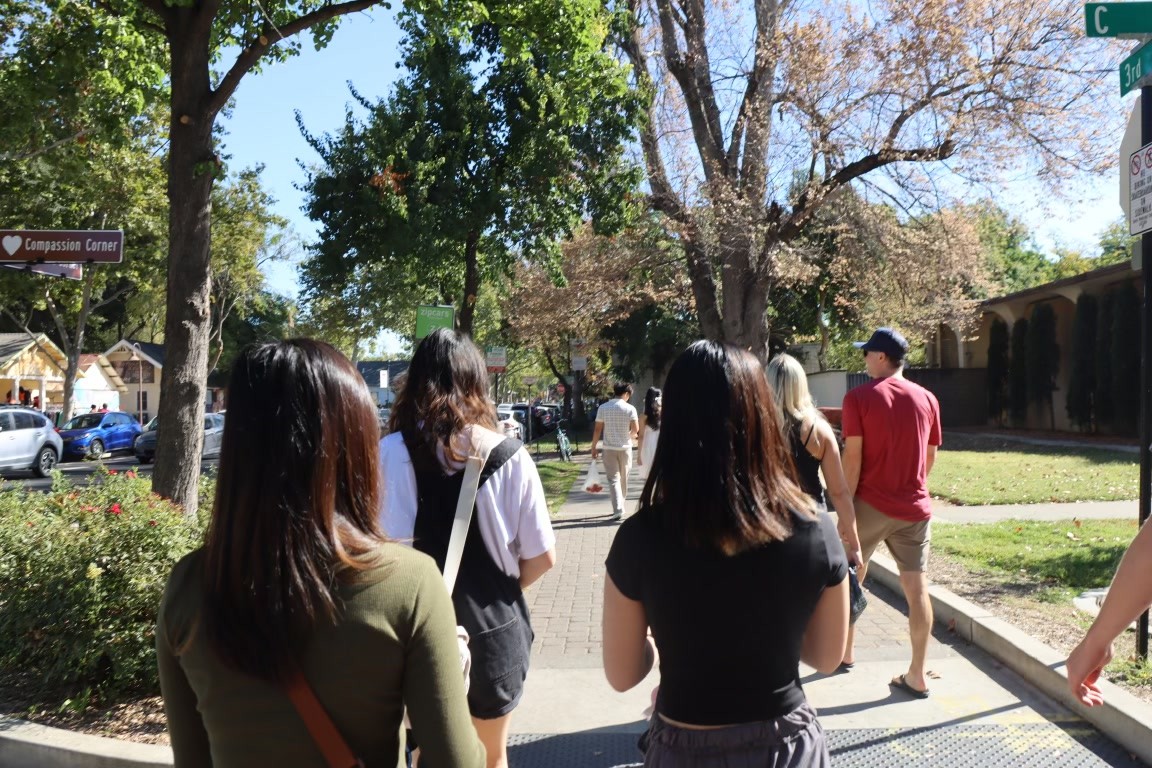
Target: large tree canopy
<point>891,96</point>
<point>485,153</point>
<point>70,74</point>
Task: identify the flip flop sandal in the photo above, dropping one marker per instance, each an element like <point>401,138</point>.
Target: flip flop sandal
<point>902,684</point>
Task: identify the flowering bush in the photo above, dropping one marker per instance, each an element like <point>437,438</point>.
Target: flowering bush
<point>82,571</point>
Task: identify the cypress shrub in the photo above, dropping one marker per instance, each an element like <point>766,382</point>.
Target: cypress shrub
<point>1082,381</point>
<point>1102,397</point>
<point>1042,358</point>
<point>1126,359</point>
<point>997,371</point>
<point>1018,374</point>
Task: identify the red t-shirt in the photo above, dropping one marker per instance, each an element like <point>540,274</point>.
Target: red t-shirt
<point>898,421</point>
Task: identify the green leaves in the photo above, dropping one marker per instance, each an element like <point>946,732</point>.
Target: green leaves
<point>82,571</point>
<point>507,131</point>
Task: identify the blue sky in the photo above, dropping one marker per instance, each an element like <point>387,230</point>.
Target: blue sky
<point>262,127</point>
<point>262,130</point>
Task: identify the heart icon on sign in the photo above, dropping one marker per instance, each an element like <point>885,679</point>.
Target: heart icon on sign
<point>12,243</point>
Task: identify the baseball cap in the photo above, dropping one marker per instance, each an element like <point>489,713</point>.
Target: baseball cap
<point>885,340</point>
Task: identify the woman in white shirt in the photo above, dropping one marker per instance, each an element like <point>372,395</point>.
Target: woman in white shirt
<point>440,415</point>
<point>649,428</point>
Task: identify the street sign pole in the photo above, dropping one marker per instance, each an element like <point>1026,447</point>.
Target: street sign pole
<point>1145,370</point>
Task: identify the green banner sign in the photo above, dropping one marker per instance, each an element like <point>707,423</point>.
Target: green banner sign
<point>429,318</point>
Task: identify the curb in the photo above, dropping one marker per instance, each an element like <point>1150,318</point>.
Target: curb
<point>38,746</point>
<point>1123,718</point>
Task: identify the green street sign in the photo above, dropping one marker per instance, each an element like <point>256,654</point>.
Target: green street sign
<point>1118,19</point>
<point>429,318</point>
<point>1136,68</point>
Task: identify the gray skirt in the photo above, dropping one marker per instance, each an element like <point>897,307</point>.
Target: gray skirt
<point>795,740</point>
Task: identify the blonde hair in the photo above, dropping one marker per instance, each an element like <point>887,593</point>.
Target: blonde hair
<point>790,387</point>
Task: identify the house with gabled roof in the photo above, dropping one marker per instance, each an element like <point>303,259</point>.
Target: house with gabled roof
<point>139,365</point>
<point>32,370</point>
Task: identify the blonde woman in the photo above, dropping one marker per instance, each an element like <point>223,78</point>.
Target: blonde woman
<point>814,446</point>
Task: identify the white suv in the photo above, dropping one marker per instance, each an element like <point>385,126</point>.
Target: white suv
<point>28,441</point>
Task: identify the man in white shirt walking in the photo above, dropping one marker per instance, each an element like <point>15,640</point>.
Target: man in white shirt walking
<point>618,423</point>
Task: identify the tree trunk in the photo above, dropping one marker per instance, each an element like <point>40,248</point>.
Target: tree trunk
<point>825,336</point>
<point>467,313</point>
<point>191,169</point>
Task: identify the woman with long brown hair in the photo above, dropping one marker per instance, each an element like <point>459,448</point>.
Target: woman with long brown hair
<point>732,572</point>
<point>441,417</point>
<point>296,588</point>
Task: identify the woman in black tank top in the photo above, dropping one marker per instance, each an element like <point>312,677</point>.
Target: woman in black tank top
<point>721,515</point>
<point>815,449</point>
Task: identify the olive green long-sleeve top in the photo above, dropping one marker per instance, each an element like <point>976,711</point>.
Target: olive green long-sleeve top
<point>395,646</point>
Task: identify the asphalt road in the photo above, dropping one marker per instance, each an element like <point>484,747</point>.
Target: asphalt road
<point>82,472</point>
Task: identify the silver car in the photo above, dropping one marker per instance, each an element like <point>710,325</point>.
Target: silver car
<point>28,441</point>
<point>145,447</point>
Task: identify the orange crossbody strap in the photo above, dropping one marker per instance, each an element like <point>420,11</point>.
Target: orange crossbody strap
<point>336,751</point>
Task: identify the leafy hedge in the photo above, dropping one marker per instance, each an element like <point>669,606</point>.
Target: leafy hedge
<point>82,571</point>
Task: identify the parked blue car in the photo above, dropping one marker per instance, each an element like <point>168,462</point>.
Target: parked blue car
<point>91,435</point>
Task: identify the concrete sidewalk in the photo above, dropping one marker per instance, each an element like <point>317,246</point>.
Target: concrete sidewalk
<point>979,713</point>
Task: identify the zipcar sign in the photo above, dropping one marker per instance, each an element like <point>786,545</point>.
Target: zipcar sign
<point>1118,19</point>
<point>71,246</point>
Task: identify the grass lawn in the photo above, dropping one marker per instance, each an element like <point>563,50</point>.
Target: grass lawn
<point>1047,564</point>
<point>558,478</point>
<point>973,470</point>
<point>1069,556</point>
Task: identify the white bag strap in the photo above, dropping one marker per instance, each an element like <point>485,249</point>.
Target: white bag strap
<point>468,490</point>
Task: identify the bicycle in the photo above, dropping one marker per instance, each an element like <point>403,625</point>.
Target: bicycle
<point>563,444</point>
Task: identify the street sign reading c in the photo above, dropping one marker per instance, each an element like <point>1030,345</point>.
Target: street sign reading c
<point>1118,19</point>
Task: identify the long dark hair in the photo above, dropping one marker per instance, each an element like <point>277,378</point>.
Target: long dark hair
<point>652,407</point>
<point>722,477</point>
<point>445,390</point>
<point>297,500</point>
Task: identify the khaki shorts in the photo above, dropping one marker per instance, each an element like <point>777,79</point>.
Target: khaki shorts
<point>908,542</point>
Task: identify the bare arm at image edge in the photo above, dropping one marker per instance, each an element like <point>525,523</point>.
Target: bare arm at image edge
<point>1128,597</point>
<point>853,454</point>
<point>628,652</point>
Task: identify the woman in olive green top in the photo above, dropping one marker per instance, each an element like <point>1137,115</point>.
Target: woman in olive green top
<point>295,577</point>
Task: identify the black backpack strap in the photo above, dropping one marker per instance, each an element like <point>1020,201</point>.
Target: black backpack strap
<point>498,457</point>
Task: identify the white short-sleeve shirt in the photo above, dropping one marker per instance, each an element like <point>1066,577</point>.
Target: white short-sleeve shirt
<point>511,509</point>
<point>617,416</point>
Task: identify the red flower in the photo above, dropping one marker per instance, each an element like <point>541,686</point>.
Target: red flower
<point>111,471</point>
<point>151,522</point>
<point>130,475</point>
<point>114,509</point>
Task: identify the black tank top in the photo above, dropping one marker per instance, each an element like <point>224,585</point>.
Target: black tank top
<point>807,465</point>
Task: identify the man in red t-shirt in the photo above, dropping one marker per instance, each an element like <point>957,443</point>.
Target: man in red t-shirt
<point>891,430</point>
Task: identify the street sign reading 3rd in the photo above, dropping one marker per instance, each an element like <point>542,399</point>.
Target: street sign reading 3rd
<point>1136,69</point>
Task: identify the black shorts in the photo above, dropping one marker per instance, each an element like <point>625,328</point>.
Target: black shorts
<point>499,668</point>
